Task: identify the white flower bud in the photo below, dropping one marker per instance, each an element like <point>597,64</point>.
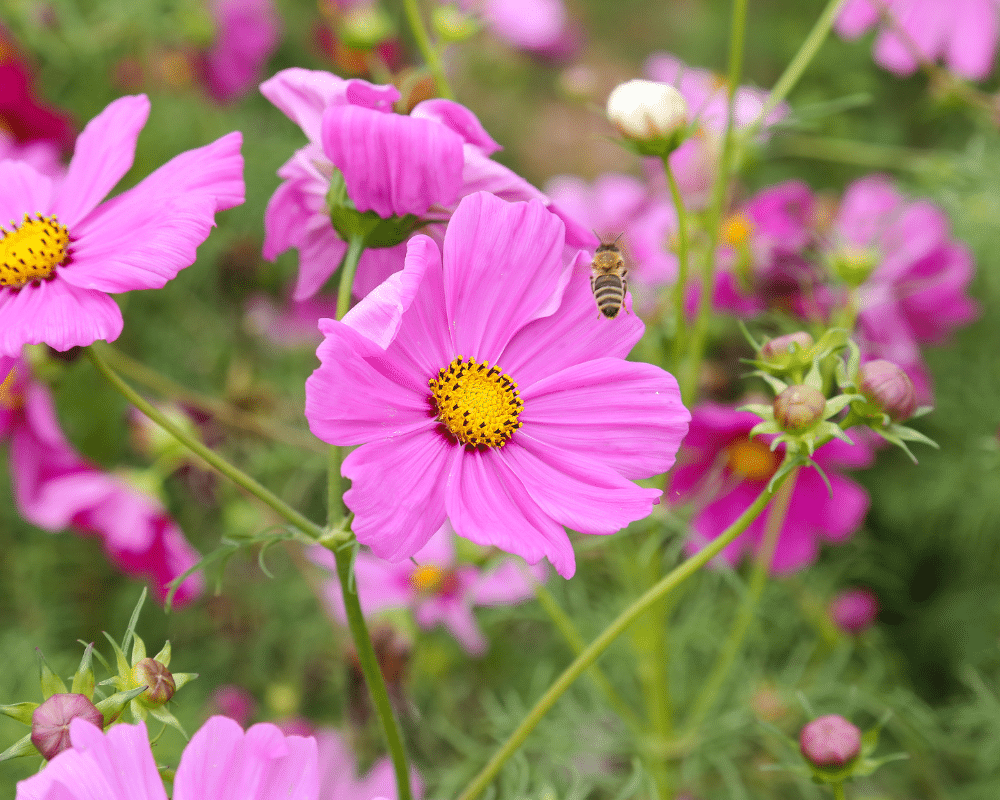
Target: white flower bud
<point>647,111</point>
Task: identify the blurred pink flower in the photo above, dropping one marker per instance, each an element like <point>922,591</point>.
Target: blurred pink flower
<point>74,250</point>
<point>234,702</point>
<point>55,488</point>
<point>338,778</point>
<point>221,762</point>
<point>854,610</point>
<point>21,114</point>
<point>490,419</point>
<point>42,155</point>
<point>437,589</point>
<point>538,26</point>
<point>394,165</point>
<point>961,33</point>
<point>247,34</point>
<point>292,325</point>
<point>721,471</point>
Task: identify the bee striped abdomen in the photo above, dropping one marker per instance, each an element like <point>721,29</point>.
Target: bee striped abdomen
<point>609,292</point>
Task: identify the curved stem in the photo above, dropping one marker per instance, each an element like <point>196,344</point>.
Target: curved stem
<point>667,584</point>
<point>680,331</point>
<point>236,475</point>
<point>427,48</point>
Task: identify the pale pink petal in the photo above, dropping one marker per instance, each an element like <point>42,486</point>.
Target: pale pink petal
<point>855,17</point>
<point>460,623</point>
<point>509,583</point>
<point>502,268</point>
<point>528,24</point>
<point>413,470</point>
<point>487,503</point>
<point>26,191</point>
<point>972,46</point>
<point>459,119</point>
<point>57,314</point>
<point>103,154</point>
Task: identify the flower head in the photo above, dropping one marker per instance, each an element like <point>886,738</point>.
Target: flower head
<point>483,389</point>
<point>721,470</point>
<point>650,113</point>
<point>830,741</point>
<point>854,610</point>
<point>247,35</point>
<point>64,251</point>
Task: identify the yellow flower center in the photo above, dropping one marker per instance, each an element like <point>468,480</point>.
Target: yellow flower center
<point>751,459</point>
<point>476,402</point>
<point>736,230</point>
<point>32,250</point>
<point>428,579</point>
<point>8,398</point>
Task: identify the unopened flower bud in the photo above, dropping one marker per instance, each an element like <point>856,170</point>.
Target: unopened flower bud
<point>650,113</point>
<point>853,265</point>
<point>157,679</point>
<point>888,387</point>
<point>779,346</point>
<point>799,408</point>
<point>452,24</point>
<point>830,742</point>
<point>854,610</point>
<point>50,722</point>
<point>365,26</point>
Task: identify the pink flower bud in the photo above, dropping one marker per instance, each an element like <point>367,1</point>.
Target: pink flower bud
<point>854,610</point>
<point>830,741</point>
<point>50,722</point>
<point>782,345</point>
<point>798,408</point>
<point>888,387</point>
<point>157,679</point>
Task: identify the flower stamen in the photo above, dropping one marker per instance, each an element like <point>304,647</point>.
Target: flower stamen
<point>478,403</point>
<point>751,459</point>
<point>32,250</point>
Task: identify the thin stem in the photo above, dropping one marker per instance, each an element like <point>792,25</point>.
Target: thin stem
<point>797,66</point>
<point>349,266</point>
<point>580,664</point>
<point>847,151</point>
<point>427,48</point>
<point>699,336</point>
<point>680,331</point>
<point>237,476</point>
<point>838,791</point>
<point>370,669</point>
<point>758,579</point>
<point>564,624</point>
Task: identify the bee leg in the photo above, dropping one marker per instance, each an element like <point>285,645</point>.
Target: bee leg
<point>625,291</point>
<point>594,292</point>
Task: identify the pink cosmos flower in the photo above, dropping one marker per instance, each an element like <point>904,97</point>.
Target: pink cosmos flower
<point>55,489</point>
<point>247,35</point>
<point>721,471</point>
<point>483,388</point>
<point>234,702</point>
<point>962,33</point>
<point>338,778</point>
<point>66,251</point>
<point>221,762</point>
<point>394,165</point>
<point>854,610</point>
<point>538,26</point>
<point>438,589</point>
<point>21,113</point>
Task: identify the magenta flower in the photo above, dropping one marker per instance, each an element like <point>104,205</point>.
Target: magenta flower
<point>538,26</point>
<point>338,778</point>
<point>478,385</point>
<point>55,489</point>
<point>962,34</point>
<point>41,154</point>
<point>221,762</point>
<point>291,325</point>
<point>438,589</point>
<point>66,252</point>
<point>721,471</point>
<point>854,610</point>
<point>247,34</point>
<point>394,165</point>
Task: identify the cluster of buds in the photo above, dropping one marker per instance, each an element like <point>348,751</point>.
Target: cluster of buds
<point>143,687</point>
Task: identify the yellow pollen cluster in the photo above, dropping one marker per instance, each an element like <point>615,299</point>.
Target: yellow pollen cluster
<point>426,578</point>
<point>31,251</point>
<point>476,402</point>
<point>736,230</point>
<point>751,459</point>
<point>8,399</point>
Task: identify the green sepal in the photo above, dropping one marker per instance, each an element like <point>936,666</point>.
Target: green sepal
<point>112,707</point>
<point>375,231</point>
<point>138,649</point>
<point>22,747</point>
<point>167,718</point>
<point>51,683</point>
<point>182,679</point>
<point>164,655</point>
<point>20,711</point>
<point>83,679</point>
<point>124,670</point>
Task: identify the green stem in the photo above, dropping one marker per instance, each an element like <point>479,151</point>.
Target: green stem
<point>370,669</point>
<point>807,51</point>
<point>862,154</point>
<point>758,579</point>
<point>582,662</point>
<point>427,48</point>
<point>237,476</point>
<point>355,247</point>
<point>699,336</point>
<point>838,791</point>
<point>680,331</point>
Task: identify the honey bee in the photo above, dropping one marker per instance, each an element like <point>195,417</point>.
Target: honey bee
<point>607,280</point>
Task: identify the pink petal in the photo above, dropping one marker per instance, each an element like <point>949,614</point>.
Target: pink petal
<point>145,236</point>
<point>505,258</point>
<point>393,165</point>
<point>397,491</point>
<point>856,16</point>
<point>972,46</point>
<point>26,191</point>
<point>631,411</point>
<point>55,313</point>
<point>461,624</point>
<point>511,582</point>
<point>104,153</point>
<point>458,118</point>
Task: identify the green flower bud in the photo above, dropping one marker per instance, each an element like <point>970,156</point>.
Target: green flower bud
<point>798,408</point>
<point>365,27</point>
<point>780,348</point>
<point>853,265</point>
<point>158,680</point>
<point>452,24</point>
